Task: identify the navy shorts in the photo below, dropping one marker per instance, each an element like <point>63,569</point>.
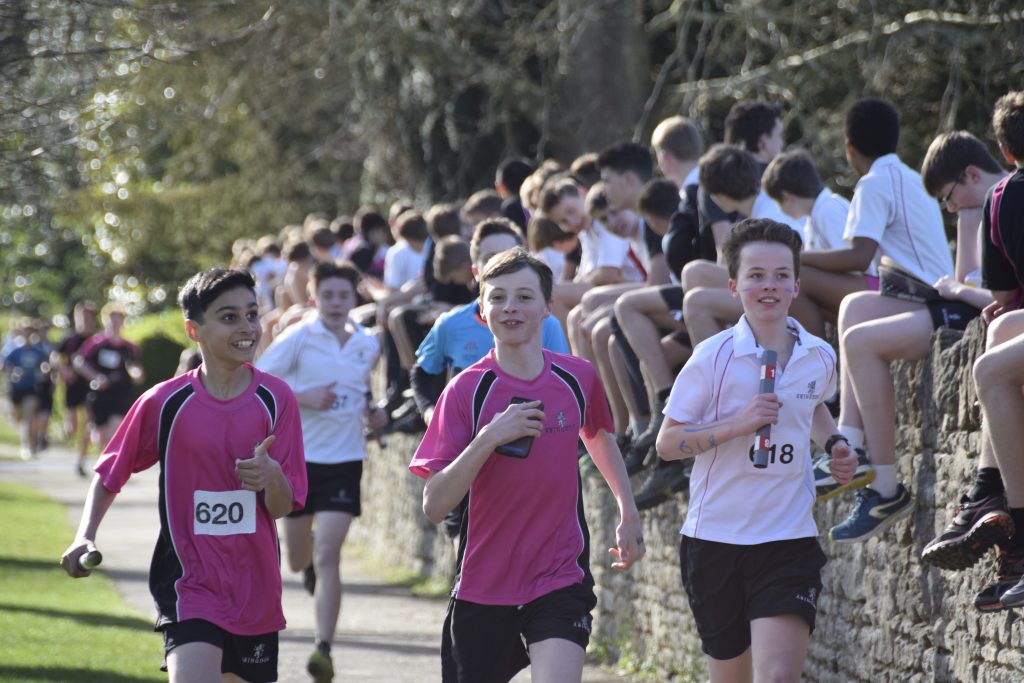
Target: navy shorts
<point>491,642</point>
<point>253,658</point>
<point>333,488</point>
<point>729,586</point>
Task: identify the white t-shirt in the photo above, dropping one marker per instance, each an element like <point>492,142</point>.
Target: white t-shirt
<point>731,501</point>
<point>891,207</point>
<point>306,356</point>
<point>603,248</point>
<point>827,223</point>
<point>555,260</point>
<point>765,207</point>
<point>402,264</point>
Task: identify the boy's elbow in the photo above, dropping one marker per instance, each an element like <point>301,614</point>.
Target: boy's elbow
<point>665,450</point>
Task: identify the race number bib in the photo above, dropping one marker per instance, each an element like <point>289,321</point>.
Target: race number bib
<point>224,513</point>
<point>109,359</point>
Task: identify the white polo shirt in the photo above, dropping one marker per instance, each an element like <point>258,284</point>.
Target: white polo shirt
<point>603,248</point>
<point>891,207</point>
<point>827,223</point>
<point>765,207</point>
<point>306,356</point>
<point>403,264</point>
<point>731,501</point>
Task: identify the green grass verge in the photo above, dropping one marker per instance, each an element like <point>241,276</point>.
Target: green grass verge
<point>55,628</point>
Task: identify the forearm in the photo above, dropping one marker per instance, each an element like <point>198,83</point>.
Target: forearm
<point>426,388</point>
<point>605,454</point>
<point>277,495</point>
<point>446,488</point>
<point>604,275</point>
<point>678,441</point>
<point>975,296</point>
<point>822,425</point>
<point>97,502</point>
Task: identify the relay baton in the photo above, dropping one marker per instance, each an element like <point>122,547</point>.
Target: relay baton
<point>764,433</point>
<point>90,560</point>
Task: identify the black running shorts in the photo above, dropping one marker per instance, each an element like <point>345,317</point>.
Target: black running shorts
<point>104,405</point>
<point>952,314</point>
<point>485,642</point>
<point>729,586</point>
<point>253,658</point>
<point>333,488</point>
<point>672,295</point>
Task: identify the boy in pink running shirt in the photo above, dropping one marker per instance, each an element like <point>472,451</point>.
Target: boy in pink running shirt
<point>229,443</point>
<point>505,431</point>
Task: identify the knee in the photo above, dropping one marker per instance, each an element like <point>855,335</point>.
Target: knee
<point>602,331</point>
<point>779,672</point>
<point>625,305</point>
<point>987,372</point>
<point>694,303</point>
<point>854,342</point>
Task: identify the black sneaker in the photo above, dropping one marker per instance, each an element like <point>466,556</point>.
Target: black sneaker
<point>663,481</point>
<point>1009,569</point>
<point>975,528</point>
<point>309,579</point>
<point>635,460</point>
<point>645,439</point>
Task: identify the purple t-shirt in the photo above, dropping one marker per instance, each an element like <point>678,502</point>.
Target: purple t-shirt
<point>525,533</point>
<point>217,554</point>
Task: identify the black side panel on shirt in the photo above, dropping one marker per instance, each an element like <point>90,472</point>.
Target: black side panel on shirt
<point>165,568</point>
<point>577,390</point>
<point>270,402</point>
<point>483,388</point>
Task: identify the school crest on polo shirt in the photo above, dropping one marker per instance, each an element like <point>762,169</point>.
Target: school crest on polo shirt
<point>811,393</point>
<point>563,424</point>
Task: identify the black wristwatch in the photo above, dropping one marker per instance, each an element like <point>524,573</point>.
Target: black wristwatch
<point>832,442</point>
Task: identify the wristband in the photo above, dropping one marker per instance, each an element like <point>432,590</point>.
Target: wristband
<point>832,442</point>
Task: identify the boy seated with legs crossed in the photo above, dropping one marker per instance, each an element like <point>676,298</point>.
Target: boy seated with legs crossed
<point>749,556</point>
<point>216,574</point>
<point>958,169</point>
<point>993,511</point>
<point>505,432</point>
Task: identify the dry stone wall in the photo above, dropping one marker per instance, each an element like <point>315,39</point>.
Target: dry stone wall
<point>883,616</point>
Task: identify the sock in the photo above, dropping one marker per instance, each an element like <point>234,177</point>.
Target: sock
<point>988,482</point>
<point>885,480</point>
<point>324,647</point>
<point>663,395</point>
<point>1017,540</point>
<point>853,435</point>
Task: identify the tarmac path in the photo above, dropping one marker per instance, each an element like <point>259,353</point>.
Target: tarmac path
<point>385,634</point>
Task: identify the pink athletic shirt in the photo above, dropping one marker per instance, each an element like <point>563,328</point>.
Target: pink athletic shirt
<point>524,534</point>
<point>217,554</point>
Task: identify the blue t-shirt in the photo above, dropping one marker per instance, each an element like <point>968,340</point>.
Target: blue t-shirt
<point>23,366</point>
<point>460,338</point>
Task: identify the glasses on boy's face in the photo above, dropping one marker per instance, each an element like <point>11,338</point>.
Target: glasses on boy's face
<point>949,195</point>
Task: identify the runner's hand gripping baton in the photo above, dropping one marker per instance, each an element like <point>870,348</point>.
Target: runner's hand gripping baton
<point>90,560</point>
<point>764,433</point>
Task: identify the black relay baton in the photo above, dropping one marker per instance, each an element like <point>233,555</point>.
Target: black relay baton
<point>764,433</point>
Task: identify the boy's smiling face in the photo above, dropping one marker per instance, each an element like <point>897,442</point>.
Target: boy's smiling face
<point>571,214</point>
<point>765,284</point>
<point>513,306</point>
<point>230,330</point>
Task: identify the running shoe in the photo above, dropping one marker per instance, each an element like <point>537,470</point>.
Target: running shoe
<point>975,528</point>
<point>645,439</point>
<point>1009,569</point>
<point>320,666</point>
<point>872,515</point>
<point>826,487</point>
<point>665,479</point>
<point>635,459</point>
